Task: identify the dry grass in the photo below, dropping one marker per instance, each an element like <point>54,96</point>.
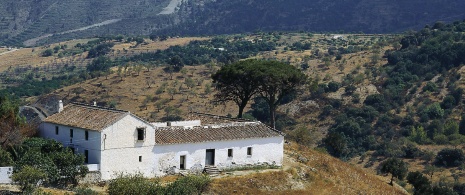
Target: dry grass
<point>131,92</point>
<point>32,56</point>
<point>157,45</point>
<point>317,174</point>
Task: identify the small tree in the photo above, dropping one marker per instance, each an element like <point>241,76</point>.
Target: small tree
<point>396,167</point>
<point>450,157</point>
<point>5,158</point>
<point>430,170</point>
<point>28,178</point>
<point>47,53</point>
<point>421,184</point>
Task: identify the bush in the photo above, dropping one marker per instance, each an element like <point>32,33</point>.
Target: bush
<point>450,157</point>
<point>434,111</point>
<point>137,184</point>
<point>85,191</point>
<point>47,53</point>
<point>430,86</point>
<point>5,158</point>
<point>189,185</point>
<point>134,184</point>
<point>451,127</point>
<point>28,178</point>
<point>441,139</point>
<point>333,86</point>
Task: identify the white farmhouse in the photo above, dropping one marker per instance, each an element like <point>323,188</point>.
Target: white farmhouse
<point>117,141</point>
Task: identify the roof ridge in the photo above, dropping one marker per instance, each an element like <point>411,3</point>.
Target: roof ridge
<point>98,107</point>
<point>222,117</point>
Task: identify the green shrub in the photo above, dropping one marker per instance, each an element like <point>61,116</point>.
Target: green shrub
<point>134,184</point>
<point>28,178</point>
<point>137,184</point>
<point>441,139</point>
<point>450,157</point>
<point>189,185</point>
<point>85,191</point>
<point>451,127</point>
<point>5,158</point>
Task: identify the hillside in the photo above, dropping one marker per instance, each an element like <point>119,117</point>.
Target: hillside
<point>47,21</point>
<point>368,98</point>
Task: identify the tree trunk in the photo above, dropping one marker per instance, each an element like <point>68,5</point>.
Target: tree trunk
<point>241,109</point>
<point>392,179</point>
<point>272,115</point>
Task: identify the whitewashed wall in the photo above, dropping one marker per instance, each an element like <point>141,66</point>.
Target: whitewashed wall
<point>5,174</point>
<point>121,149</point>
<point>78,142</point>
<point>264,150</point>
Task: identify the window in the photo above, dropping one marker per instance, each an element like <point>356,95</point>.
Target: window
<point>87,135</point>
<point>56,130</point>
<point>249,151</point>
<point>230,152</point>
<point>71,133</point>
<point>140,158</point>
<point>140,134</point>
<point>86,155</point>
<point>182,162</point>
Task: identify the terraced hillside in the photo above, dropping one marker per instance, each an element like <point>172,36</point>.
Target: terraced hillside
<point>22,21</point>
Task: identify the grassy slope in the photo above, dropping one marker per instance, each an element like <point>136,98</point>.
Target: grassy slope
<point>306,171</point>
<point>132,90</point>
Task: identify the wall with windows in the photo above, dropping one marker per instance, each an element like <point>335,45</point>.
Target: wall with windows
<point>127,147</point>
<point>81,140</point>
<point>262,150</point>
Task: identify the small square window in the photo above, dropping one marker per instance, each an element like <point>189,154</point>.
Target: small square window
<point>249,151</point>
<point>140,134</point>
<point>56,130</point>
<point>86,134</point>
<point>230,152</point>
<point>71,133</point>
<point>140,158</point>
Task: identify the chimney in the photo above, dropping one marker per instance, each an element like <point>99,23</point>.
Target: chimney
<point>60,106</point>
<point>95,103</point>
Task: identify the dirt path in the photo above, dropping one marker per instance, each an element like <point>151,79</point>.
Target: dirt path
<point>7,52</point>
<point>33,41</point>
<point>171,7</point>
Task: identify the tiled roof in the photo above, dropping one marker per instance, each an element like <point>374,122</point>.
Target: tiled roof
<point>213,119</point>
<point>235,131</point>
<point>87,117</point>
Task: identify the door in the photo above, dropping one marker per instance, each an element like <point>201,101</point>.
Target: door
<point>210,157</point>
<point>182,162</point>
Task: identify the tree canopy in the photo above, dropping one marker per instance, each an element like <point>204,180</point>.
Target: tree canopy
<point>396,167</point>
<point>237,82</point>
<point>272,80</point>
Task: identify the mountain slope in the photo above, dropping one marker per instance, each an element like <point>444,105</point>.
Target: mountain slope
<point>379,16</point>
<point>25,20</point>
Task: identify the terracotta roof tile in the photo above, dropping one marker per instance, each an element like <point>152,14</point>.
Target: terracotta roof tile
<point>86,117</point>
<point>234,131</point>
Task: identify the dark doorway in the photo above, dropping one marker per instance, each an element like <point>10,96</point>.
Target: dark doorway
<point>210,157</point>
<point>182,162</point>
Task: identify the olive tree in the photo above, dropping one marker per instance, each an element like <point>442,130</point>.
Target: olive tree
<point>396,167</point>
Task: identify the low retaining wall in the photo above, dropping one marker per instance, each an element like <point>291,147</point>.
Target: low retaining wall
<point>5,175</point>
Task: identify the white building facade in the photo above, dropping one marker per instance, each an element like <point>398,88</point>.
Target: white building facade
<point>118,142</point>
